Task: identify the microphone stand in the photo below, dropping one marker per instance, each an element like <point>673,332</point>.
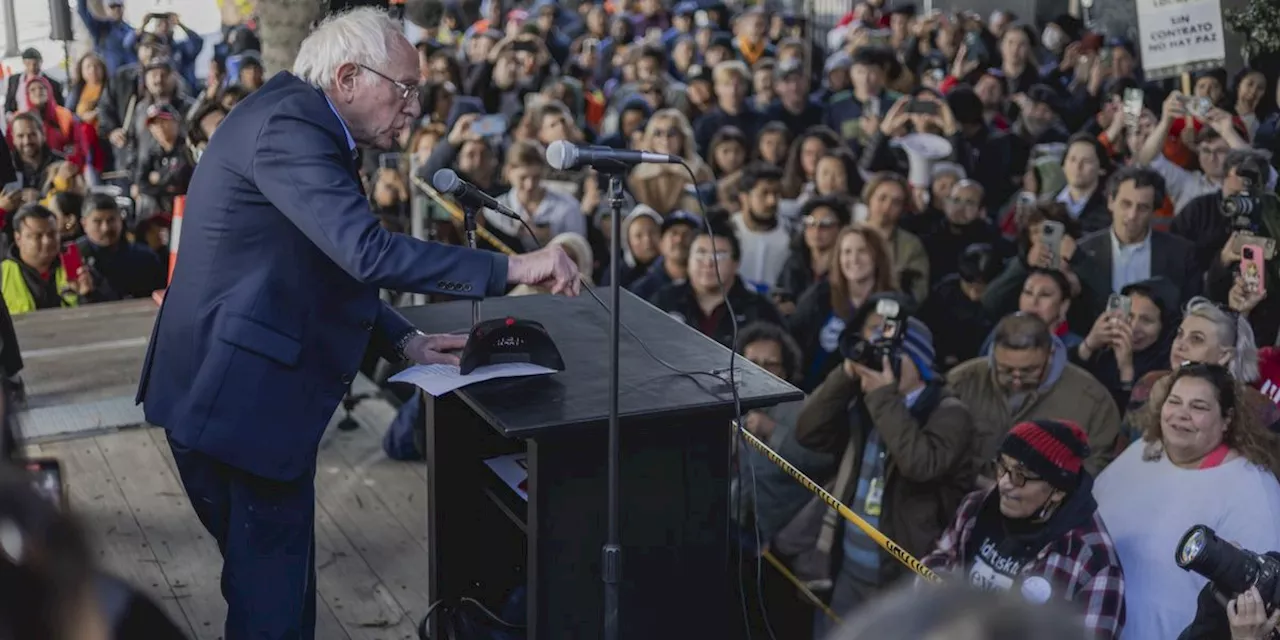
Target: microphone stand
<point>611,566</point>
<point>469,222</point>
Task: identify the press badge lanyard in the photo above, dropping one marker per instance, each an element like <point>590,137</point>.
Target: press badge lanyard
<point>875,489</point>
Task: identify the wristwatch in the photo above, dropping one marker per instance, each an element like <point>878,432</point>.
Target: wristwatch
<point>404,342</point>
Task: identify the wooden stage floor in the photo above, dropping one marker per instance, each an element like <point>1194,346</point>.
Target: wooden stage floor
<point>371,533</point>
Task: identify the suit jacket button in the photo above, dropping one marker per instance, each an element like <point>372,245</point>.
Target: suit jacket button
<point>466,287</point>
<point>367,325</point>
<point>347,378</point>
<point>441,285</point>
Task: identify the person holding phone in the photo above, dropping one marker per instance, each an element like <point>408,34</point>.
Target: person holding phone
<point>36,277</point>
<point>182,52</point>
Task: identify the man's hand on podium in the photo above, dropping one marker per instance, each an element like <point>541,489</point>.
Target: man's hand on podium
<point>425,349</point>
<point>549,268</point>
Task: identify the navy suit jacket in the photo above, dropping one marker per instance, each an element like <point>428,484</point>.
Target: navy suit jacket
<point>275,295</point>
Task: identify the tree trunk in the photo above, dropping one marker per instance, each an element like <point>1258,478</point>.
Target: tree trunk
<point>282,25</point>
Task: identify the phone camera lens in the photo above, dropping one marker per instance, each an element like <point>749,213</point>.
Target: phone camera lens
<point>1248,253</point>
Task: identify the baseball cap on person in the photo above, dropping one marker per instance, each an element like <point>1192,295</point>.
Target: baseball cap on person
<point>31,53</point>
<point>697,72</point>
<point>681,216</point>
<point>1055,450</point>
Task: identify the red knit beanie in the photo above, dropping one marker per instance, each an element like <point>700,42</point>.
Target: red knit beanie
<point>1055,450</point>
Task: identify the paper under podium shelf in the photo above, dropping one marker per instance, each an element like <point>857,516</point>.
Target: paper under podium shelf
<point>507,487</point>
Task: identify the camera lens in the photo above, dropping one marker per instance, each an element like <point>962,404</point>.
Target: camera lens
<point>1230,569</point>
<point>1248,253</point>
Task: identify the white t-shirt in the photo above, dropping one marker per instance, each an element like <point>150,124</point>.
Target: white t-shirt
<point>1148,506</point>
<point>763,254</point>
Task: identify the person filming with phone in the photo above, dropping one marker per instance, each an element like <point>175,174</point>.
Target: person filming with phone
<point>909,442</point>
<point>35,275</point>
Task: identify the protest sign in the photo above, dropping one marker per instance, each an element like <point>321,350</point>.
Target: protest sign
<point>1180,36</point>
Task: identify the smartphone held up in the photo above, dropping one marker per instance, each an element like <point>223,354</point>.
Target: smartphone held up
<point>1253,267</point>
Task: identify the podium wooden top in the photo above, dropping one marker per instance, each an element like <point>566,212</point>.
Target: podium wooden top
<point>579,395</point>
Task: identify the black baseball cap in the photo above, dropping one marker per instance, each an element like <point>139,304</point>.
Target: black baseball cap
<point>681,216</point>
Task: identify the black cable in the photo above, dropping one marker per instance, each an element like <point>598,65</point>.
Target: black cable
<point>444,605</point>
<point>731,540</point>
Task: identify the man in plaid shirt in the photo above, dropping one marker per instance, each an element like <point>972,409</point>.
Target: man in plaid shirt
<point>1038,529</point>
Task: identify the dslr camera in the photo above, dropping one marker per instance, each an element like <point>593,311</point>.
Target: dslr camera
<point>1243,206</point>
<point>1231,570</point>
<point>871,353</point>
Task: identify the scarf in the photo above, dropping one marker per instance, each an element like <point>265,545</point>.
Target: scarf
<point>87,105</point>
<point>750,52</point>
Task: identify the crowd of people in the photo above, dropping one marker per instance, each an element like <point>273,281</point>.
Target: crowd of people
<point>1074,293</point>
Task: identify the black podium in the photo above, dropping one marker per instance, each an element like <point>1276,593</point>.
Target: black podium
<point>678,580</point>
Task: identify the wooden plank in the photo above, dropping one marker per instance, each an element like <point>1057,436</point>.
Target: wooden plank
<point>162,445</point>
<point>122,547</point>
<point>377,414</point>
<point>387,547</point>
<point>397,484</point>
<point>327,625</point>
<point>362,606</point>
<point>187,553</point>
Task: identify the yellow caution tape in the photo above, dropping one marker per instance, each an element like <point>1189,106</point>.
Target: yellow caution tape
<point>808,594</point>
<point>845,512</point>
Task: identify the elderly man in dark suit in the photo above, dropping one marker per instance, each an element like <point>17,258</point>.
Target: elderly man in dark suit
<point>275,300</point>
<point>1130,250</point>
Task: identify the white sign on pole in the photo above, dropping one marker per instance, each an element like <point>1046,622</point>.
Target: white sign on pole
<point>1180,36</point>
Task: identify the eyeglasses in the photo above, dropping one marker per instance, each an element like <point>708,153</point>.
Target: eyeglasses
<point>821,223</point>
<point>667,133</point>
<point>407,91</point>
<point>1018,476</point>
<point>708,256</point>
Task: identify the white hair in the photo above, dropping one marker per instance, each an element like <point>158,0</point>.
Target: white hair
<point>361,36</point>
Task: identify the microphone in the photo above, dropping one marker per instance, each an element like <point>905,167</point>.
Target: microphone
<point>564,155</point>
<point>446,181</point>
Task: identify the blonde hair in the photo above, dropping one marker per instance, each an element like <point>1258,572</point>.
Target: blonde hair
<point>687,148</point>
<point>1234,332</point>
<point>728,69</point>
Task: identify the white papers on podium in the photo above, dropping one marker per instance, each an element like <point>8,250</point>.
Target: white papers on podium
<point>513,469</point>
<point>439,379</point>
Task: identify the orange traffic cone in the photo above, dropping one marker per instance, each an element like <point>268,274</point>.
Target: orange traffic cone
<point>175,231</point>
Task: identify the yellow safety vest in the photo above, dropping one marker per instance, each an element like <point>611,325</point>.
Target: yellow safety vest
<point>16,294</point>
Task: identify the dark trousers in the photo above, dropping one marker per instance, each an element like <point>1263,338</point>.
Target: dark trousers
<point>265,530</point>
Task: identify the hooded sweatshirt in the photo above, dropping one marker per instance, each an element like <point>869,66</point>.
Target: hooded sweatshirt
<point>1066,392</point>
